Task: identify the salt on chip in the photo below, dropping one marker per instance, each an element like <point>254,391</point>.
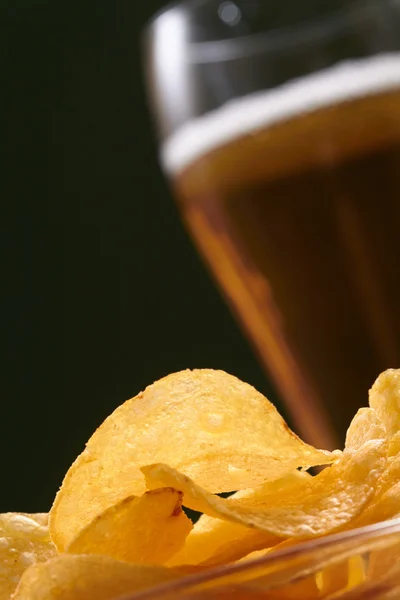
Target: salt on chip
<point>148,529</point>
<point>214,541</point>
<point>88,577</point>
<point>23,542</point>
<point>384,397</point>
<point>206,423</point>
<point>322,504</point>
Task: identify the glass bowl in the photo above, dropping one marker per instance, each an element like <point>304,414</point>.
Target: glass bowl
<point>358,564</point>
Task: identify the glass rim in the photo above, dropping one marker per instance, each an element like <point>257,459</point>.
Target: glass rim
<point>326,24</point>
<point>169,7</point>
<point>365,536</point>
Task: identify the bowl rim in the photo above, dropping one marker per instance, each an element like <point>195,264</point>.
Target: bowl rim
<point>344,541</point>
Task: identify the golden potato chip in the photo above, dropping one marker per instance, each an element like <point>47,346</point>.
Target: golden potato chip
<point>394,445</point>
<point>387,507</point>
<point>341,576</point>
<point>214,541</point>
<point>366,425</point>
<point>357,571</point>
<point>385,503</point>
<point>256,554</point>
<point>322,504</point>
<point>387,588</point>
<point>23,541</point>
<point>212,537</point>
<point>40,518</point>
<point>250,541</point>
<point>384,397</point>
<point>383,561</point>
<point>206,423</point>
<point>148,529</point>
<point>86,577</point>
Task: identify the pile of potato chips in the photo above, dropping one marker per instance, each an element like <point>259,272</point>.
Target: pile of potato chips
<point>117,525</point>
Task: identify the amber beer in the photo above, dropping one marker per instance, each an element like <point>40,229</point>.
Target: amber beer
<point>293,198</point>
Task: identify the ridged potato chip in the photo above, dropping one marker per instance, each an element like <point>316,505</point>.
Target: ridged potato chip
<point>214,541</point>
<point>148,529</point>
<point>320,505</point>
<point>385,503</point>
<point>206,423</point>
<point>40,518</point>
<point>366,425</point>
<point>86,577</point>
<point>384,398</point>
<point>23,541</point>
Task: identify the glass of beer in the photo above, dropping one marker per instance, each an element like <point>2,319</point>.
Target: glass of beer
<point>279,129</point>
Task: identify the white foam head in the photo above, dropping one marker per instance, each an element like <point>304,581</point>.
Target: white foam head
<point>346,81</point>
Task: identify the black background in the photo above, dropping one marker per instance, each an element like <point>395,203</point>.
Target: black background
<point>102,291</point>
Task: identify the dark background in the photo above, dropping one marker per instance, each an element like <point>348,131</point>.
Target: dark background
<point>102,292</point>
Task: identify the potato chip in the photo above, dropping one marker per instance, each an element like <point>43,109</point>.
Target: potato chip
<point>366,425</point>
<point>386,588</point>
<point>40,518</point>
<point>206,423</point>
<point>86,577</point>
<point>333,499</point>
<point>384,397</point>
<point>320,505</point>
<point>343,575</point>
<point>211,537</point>
<point>382,561</point>
<point>388,505</point>
<point>256,554</point>
<point>214,541</point>
<point>394,445</point>
<point>23,541</point>
<point>148,529</point>
<point>385,503</point>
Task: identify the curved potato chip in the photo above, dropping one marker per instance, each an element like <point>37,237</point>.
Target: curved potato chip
<point>23,542</point>
<point>251,541</point>
<point>341,576</point>
<point>388,505</point>
<point>85,577</point>
<point>385,503</point>
<point>214,541</point>
<point>40,518</point>
<point>384,397</point>
<point>145,530</point>
<point>323,504</point>
<point>394,445</point>
<point>207,423</point>
<point>366,425</point>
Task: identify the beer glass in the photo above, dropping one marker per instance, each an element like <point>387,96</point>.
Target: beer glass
<point>279,129</point>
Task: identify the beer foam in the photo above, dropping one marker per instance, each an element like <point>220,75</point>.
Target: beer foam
<point>346,81</point>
